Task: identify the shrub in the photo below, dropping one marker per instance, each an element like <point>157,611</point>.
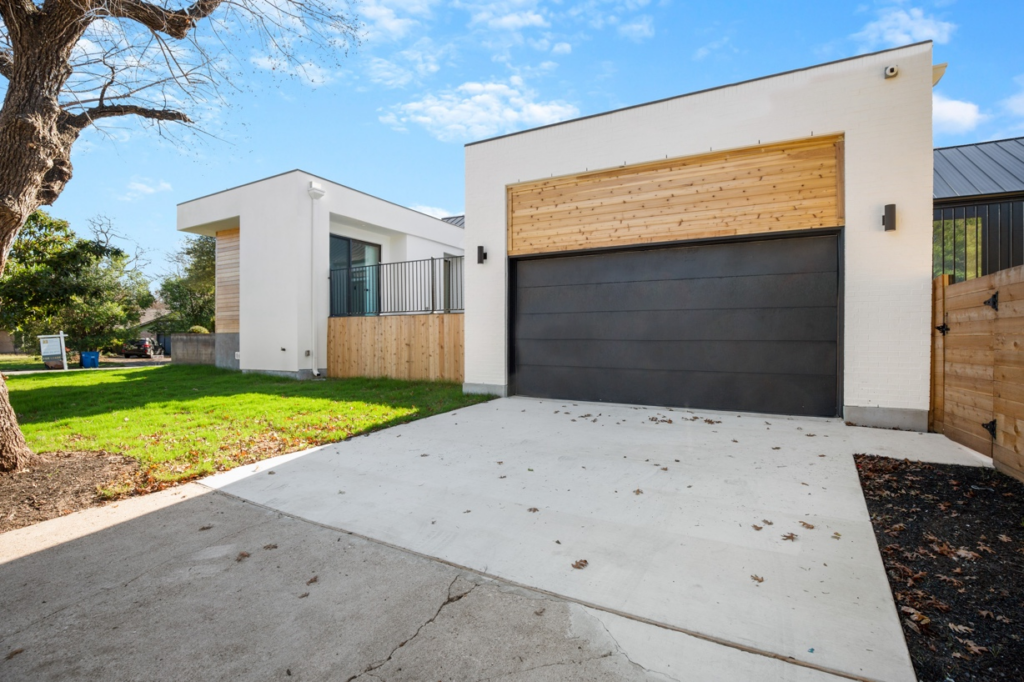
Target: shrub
<point>196,329</point>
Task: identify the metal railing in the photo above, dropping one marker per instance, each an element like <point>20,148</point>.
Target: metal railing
<point>432,285</point>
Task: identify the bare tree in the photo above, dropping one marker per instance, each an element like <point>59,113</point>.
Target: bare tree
<point>72,64</point>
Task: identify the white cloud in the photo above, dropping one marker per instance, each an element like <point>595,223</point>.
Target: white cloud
<point>955,116</point>
<point>389,20</point>
<point>514,21</point>
<point>1015,103</point>
<point>705,50</point>
<point>639,29</point>
<point>561,48</point>
<point>433,211</point>
<point>388,74</point>
<point>143,187</point>
<point>478,110</point>
<point>896,26</point>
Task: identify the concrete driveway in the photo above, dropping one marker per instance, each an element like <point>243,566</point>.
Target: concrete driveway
<point>718,545</point>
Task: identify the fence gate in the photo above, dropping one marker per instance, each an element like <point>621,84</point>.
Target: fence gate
<point>978,365</point>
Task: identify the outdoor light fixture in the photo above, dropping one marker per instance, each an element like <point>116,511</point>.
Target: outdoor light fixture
<point>481,255</point>
<point>889,217</point>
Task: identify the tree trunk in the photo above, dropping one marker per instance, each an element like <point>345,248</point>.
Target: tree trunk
<point>35,148</point>
<point>14,452</point>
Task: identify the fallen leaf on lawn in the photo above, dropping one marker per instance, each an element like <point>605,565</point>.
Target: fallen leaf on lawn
<point>960,629</point>
<point>766,522</point>
<point>790,536</point>
<point>986,548</point>
<point>986,614</point>
<point>756,527</point>
<point>533,509</point>
<point>242,556</point>
<point>808,526</point>
<point>1005,538</point>
<point>581,564</point>
<point>952,581</point>
<point>638,492</point>
<point>205,527</point>
<point>757,578</point>
<point>957,654</point>
<point>1003,619</point>
<point>270,546</point>
<point>965,553</point>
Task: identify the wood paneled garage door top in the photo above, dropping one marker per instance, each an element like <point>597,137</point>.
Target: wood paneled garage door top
<point>790,186</point>
<point>748,326</point>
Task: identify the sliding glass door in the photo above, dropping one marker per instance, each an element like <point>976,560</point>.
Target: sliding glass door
<point>355,277</point>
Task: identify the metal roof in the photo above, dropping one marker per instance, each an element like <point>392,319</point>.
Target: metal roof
<point>456,220</point>
<point>980,169</point>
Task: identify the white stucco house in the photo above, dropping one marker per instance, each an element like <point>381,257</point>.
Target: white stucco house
<point>723,249</point>
<point>279,242</point>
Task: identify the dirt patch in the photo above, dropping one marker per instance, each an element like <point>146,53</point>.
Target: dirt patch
<point>58,483</point>
<point>952,540</point>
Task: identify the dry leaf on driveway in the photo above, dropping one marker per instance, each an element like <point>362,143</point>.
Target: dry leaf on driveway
<point>242,556</point>
<point>757,578</point>
<point>808,526</point>
<point>790,536</point>
<point>638,492</point>
<point>581,564</point>
<point>756,527</point>
<point>533,509</point>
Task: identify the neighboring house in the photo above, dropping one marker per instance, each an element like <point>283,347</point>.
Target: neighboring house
<point>7,343</point>
<point>151,316</point>
<point>722,250</point>
<point>978,219</point>
<point>294,249</point>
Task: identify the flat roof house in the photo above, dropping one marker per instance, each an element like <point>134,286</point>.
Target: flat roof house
<point>723,249</point>
<point>295,249</point>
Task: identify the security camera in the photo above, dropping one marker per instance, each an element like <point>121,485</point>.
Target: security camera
<point>892,71</point>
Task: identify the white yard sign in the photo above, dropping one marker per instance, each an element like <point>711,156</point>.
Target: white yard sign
<point>51,347</point>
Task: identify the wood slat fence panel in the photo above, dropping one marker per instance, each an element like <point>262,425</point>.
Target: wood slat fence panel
<point>227,275</point>
<point>413,347</point>
<point>978,365</point>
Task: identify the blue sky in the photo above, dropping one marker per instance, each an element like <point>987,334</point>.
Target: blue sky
<point>430,76</point>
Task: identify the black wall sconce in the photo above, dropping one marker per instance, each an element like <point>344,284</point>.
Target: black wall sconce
<point>481,255</point>
<point>889,217</point>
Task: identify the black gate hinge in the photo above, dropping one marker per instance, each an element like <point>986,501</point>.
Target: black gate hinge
<point>943,329</point>
<point>993,302</point>
<point>990,427</point>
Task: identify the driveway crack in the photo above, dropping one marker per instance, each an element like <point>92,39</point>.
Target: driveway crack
<point>450,599</point>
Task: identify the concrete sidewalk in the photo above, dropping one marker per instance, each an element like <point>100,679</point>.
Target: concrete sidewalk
<point>682,516</point>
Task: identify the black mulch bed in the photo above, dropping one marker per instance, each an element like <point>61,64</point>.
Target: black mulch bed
<point>952,539</point>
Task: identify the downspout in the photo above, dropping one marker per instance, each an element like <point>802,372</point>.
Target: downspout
<point>315,192</point>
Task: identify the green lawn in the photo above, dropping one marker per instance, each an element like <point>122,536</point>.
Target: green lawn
<point>181,421</point>
<point>11,363</point>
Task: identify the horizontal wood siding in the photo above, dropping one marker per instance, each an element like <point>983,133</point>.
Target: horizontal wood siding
<point>227,281</point>
<point>396,346</point>
<point>982,365</point>
<point>791,186</point>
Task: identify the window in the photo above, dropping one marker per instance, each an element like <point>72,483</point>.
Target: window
<point>972,240</point>
<point>355,277</point>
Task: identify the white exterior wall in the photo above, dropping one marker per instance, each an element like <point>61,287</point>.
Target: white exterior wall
<point>275,283</point>
<point>888,129</point>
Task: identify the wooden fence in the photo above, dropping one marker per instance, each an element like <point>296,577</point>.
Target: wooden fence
<point>396,346</point>
<point>978,365</point>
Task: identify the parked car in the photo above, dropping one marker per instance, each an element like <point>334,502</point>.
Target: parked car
<point>141,348</point>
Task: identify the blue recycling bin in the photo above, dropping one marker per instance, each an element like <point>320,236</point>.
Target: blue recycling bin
<point>90,359</point>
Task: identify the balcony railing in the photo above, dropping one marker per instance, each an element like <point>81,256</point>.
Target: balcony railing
<point>433,285</point>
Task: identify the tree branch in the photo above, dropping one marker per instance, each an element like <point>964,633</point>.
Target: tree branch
<point>87,117</point>
<point>174,23</point>
<point>6,64</point>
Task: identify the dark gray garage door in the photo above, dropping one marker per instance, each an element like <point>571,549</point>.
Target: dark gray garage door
<point>748,326</point>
